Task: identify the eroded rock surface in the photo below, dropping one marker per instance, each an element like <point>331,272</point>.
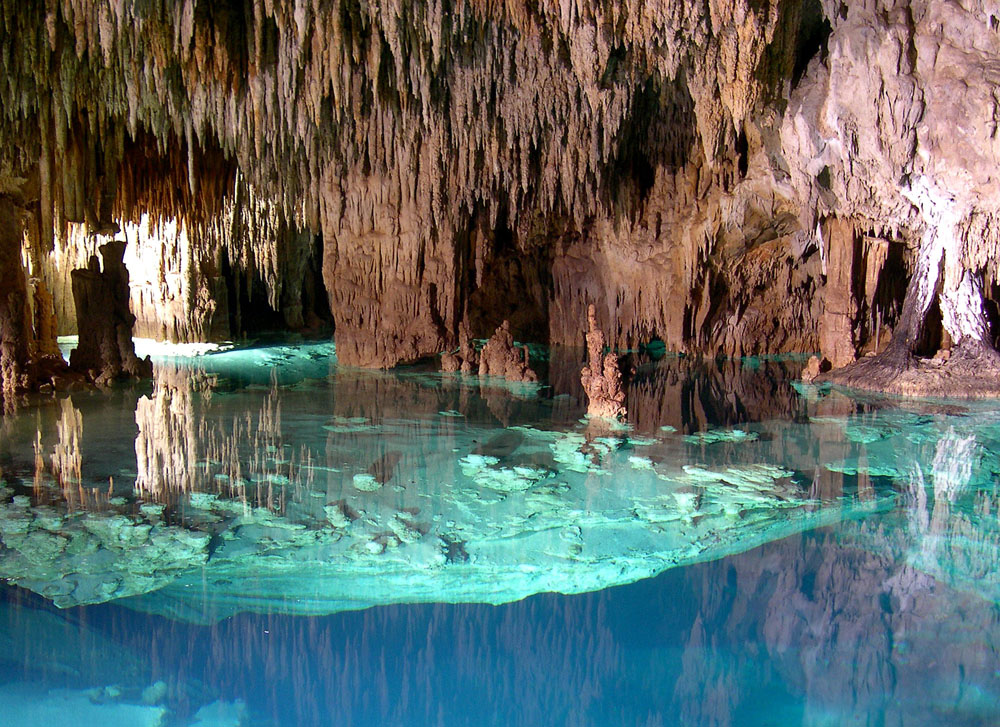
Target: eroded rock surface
<point>738,178</point>
<point>500,357</point>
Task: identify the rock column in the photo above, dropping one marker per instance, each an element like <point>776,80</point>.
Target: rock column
<point>836,329</point>
<point>104,320</point>
<point>601,377</point>
<point>13,308</point>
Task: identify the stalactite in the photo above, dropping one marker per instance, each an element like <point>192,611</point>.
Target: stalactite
<point>658,160</point>
<point>437,110</point>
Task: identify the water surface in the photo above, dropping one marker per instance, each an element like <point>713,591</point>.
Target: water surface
<point>264,537</point>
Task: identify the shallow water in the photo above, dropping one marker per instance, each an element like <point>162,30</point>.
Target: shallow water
<point>263,537</point>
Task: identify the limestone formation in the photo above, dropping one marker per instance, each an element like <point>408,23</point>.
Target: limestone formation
<point>739,177</point>
<point>105,350</point>
<point>813,368</point>
<point>13,313</point>
<point>500,357</point>
<point>466,359</point>
<point>601,377</point>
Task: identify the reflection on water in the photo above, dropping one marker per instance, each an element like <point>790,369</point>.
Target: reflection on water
<point>801,631</point>
<point>822,559</point>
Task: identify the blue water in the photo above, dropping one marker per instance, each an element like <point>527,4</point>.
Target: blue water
<point>265,538</point>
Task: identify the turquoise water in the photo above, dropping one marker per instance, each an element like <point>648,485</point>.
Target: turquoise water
<point>262,537</point>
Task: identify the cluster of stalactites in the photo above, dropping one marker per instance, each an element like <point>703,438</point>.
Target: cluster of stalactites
<point>468,102</point>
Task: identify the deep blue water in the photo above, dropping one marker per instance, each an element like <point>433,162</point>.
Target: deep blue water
<point>748,553</point>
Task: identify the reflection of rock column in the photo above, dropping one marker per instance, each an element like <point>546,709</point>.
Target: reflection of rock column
<point>182,448</point>
<point>166,448</point>
<point>953,462</point>
<point>67,459</point>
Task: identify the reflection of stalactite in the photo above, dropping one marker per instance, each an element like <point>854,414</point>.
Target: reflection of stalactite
<point>800,615</point>
<point>61,480</point>
<point>951,474</point>
<point>166,447</point>
<point>182,448</point>
<point>951,531</point>
<point>67,459</point>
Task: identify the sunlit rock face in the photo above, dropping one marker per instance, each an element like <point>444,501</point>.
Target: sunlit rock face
<point>738,177</point>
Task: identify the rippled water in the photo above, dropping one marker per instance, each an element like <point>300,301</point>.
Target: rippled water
<point>263,537</point>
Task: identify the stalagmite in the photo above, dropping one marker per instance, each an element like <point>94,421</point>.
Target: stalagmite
<point>466,359</point>
<point>601,377</point>
<point>500,357</point>
<point>813,368</point>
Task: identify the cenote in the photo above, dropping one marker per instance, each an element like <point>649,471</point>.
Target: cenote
<point>264,537</point>
<point>433,363</point>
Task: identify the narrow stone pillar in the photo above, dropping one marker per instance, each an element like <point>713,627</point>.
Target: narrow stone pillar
<point>13,307</point>
<point>836,327</point>
<point>601,377</point>
<point>105,350</point>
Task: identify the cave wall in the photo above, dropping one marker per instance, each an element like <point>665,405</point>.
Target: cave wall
<point>731,177</point>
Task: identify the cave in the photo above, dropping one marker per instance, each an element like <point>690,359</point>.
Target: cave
<point>499,361</point>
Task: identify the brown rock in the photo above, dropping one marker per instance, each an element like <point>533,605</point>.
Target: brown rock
<point>450,362</point>
<point>465,359</point>
<point>104,320</point>
<point>815,368</point>
<point>13,308</point>
<point>734,177</point>
<point>500,357</point>
<point>601,377</point>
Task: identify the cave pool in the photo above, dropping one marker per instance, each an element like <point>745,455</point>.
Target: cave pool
<point>262,537</point>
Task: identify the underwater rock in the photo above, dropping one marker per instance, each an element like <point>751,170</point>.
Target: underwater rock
<point>29,704</point>
<point>601,377</point>
<point>721,435</point>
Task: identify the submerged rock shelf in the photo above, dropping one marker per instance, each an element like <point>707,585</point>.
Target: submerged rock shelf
<point>273,479</point>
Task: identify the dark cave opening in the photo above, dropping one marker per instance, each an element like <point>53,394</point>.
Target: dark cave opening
<point>512,285</point>
<point>887,299</point>
<point>658,131</point>
<point>811,39</point>
<point>742,152</point>
<point>244,311</point>
<point>931,335</point>
<point>991,306</point>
